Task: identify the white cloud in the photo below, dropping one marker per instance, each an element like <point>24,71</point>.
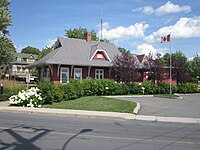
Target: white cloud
<point>167,8</point>
<point>148,10</point>
<point>49,43</point>
<point>146,48</point>
<point>171,8</point>
<point>184,28</point>
<point>105,25</point>
<point>119,33</point>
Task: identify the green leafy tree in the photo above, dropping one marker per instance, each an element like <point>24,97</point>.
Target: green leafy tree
<point>123,50</point>
<point>180,68</point>
<point>180,71</point>
<point>79,33</point>
<point>194,68</point>
<point>45,51</point>
<point>30,50</point>
<point>7,50</point>
<point>5,17</point>
<point>6,46</point>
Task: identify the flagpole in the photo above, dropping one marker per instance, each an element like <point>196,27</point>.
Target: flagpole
<point>101,25</point>
<point>168,39</point>
<point>170,67</point>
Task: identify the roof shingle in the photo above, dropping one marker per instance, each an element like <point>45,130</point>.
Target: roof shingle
<point>78,52</point>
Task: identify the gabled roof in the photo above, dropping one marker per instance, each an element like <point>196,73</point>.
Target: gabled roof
<point>141,58</point>
<point>78,52</point>
<point>23,57</point>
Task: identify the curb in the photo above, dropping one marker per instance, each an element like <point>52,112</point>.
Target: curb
<point>128,96</point>
<point>96,114</point>
<point>168,119</point>
<point>179,96</point>
<point>68,112</point>
<point>137,108</point>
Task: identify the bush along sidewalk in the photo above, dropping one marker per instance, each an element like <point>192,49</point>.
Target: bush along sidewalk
<point>29,98</point>
<point>92,87</point>
<point>48,93</point>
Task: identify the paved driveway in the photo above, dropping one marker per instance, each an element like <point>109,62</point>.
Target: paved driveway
<point>189,106</point>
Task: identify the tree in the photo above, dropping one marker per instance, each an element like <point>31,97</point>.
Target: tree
<point>30,50</point>
<point>6,50</point>
<point>122,50</point>
<point>5,17</point>
<point>80,34</point>
<point>180,68</point>
<point>45,51</point>
<point>6,46</point>
<point>194,68</point>
<point>180,71</point>
<point>125,68</point>
<point>156,68</point>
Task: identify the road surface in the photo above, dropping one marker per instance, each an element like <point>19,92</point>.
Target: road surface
<point>20,131</point>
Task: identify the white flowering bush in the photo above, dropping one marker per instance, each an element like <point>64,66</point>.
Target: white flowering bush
<point>29,98</point>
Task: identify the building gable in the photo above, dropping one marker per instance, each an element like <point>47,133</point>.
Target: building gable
<point>100,55</point>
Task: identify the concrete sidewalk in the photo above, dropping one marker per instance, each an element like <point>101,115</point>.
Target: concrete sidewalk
<point>95,114</point>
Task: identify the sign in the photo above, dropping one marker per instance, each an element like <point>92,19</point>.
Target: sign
<point>28,77</point>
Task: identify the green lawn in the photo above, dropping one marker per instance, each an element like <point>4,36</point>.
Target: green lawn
<point>96,103</point>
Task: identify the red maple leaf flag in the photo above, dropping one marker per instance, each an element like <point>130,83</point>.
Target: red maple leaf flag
<point>165,38</point>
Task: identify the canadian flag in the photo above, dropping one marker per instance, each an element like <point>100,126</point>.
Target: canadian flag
<point>165,39</point>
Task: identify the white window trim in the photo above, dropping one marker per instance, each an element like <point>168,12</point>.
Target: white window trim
<point>104,52</point>
<point>61,73</point>
<point>79,69</point>
<point>99,71</point>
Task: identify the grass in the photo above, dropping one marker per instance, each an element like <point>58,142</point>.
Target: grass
<point>96,103</point>
<point>11,86</point>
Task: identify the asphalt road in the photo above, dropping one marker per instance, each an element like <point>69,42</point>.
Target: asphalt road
<point>47,132</point>
<point>188,107</point>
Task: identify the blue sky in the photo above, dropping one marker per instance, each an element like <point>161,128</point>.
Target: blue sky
<point>136,25</point>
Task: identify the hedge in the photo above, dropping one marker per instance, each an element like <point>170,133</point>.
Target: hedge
<point>188,88</point>
<point>93,87</point>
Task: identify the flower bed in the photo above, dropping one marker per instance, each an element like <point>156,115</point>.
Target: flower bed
<point>29,98</point>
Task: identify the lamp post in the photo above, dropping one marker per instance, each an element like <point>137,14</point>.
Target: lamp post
<point>1,89</point>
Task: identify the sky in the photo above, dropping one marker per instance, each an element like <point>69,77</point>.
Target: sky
<point>136,25</point>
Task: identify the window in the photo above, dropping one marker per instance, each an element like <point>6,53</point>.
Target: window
<point>77,73</point>
<point>64,75</point>
<point>18,59</point>
<point>30,60</point>
<point>99,73</point>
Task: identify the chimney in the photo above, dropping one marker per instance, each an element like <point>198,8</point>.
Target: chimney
<point>88,37</point>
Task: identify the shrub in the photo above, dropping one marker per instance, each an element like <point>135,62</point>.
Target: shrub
<point>89,87</point>
<point>133,88</point>
<point>104,87</point>
<point>58,93</point>
<point>150,87</point>
<point>5,96</point>
<point>69,92</point>
<point>118,89</point>
<point>163,88</point>
<point>29,98</point>
<point>188,88</point>
<point>77,85</point>
<point>47,90</point>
